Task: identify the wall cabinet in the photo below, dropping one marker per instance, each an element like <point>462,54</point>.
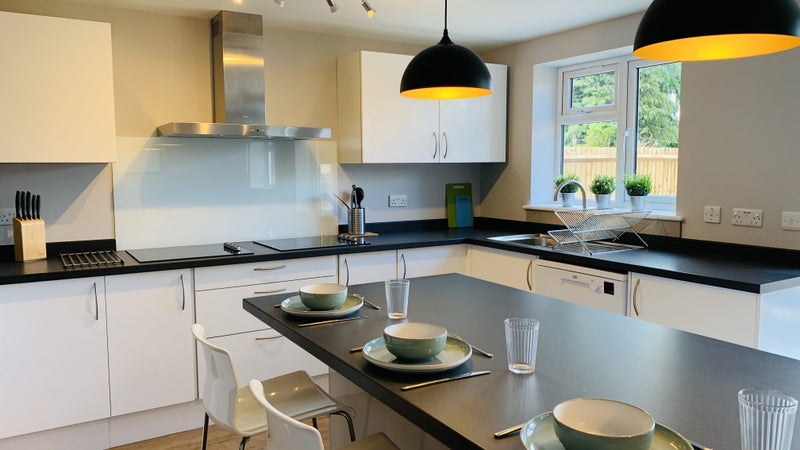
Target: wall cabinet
<point>503,267</point>
<point>377,125</point>
<point>150,344</point>
<point>258,351</point>
<point>715,312</point>
<point>58,94</point>
<point>371,267</point>
<point>54,353</point>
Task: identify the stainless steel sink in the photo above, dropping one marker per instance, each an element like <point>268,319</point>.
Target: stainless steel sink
<point>535,239</point>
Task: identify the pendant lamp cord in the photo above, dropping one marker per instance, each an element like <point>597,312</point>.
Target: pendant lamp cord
<point>445,18</point>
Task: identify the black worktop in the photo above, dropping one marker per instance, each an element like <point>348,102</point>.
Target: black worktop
<point>686,381</point>
<point>745,268</point>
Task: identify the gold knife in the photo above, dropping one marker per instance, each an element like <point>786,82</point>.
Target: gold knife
<point>326,322</point>
<point>508,431</point>
<point>367,302</point>
<point>444,380</point>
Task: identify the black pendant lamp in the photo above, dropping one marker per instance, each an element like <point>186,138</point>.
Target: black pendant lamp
<point>687,30</point>
<point>446,71</point>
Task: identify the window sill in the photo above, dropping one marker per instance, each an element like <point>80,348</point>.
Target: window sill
<point>668,216</point>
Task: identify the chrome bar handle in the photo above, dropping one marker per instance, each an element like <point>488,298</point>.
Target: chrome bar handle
<point>262,269</point>
<point>445,146</point>
<point>347,271</point>
<point>183,295</point>
<point>435,146</point>
<point>96,303</point>
<point>635,295</point>
<point>403,258</point>
<point>274,291</point>
<point>528,275</point>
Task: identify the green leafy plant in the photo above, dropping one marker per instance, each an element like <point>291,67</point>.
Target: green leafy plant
<point>603,184</point>
<point>638,184</point>
<point>570,187</point>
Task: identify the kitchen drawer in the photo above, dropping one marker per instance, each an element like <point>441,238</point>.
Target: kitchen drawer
<point>263,272</point>
<point>220,310</point>
<point>262,354</point>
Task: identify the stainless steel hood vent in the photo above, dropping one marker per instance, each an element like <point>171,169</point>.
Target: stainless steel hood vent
<point>237,60</point>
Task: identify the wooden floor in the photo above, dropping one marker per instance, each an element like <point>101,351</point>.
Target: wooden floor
<point>218,439</point>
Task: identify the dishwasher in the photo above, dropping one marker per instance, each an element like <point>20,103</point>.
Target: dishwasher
<point>589,287</point>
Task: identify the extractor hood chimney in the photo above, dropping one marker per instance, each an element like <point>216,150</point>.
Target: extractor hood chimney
<point>237,61</point>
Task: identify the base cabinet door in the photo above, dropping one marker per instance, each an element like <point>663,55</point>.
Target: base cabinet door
<point>54,355</point>
<point>724,314</point>
<point>150,343</point>
<point>503,267</point>
<point>359,268</point>
<point>420,262</point>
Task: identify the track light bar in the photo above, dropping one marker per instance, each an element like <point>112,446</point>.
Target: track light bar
<point>369,9</point>
<point>334,7</point>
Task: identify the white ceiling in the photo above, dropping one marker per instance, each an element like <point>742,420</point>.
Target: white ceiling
<point>478,24</point>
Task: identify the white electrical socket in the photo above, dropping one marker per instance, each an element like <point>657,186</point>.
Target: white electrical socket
<point>790,220</point>
<point>7,215</point>
<point>711,214</point>
<point>398,200</point>
<point>743,217</point>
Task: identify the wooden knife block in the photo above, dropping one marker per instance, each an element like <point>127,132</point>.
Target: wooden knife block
<point>29,240</point>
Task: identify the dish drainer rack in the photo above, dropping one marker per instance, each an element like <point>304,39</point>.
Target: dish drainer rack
<point>585,226</point>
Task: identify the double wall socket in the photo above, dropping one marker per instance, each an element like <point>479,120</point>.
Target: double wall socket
<point>711,214</point>
<point>746,217</point>
<point>398,200</point>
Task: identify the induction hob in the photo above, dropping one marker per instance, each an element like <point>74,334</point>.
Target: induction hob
<point>309,242</point>
<point>188,252</point>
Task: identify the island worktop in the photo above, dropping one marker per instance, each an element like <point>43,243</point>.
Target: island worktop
<point>687,382</point>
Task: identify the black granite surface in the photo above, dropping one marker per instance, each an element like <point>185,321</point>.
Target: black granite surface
<point>745,268</point>
<point>687,382</point>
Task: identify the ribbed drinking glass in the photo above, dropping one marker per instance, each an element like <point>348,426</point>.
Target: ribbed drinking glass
<point>766,419</point>
<point>522,338</point>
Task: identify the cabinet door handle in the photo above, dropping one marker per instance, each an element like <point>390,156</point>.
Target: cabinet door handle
<point>96,303</point>
<point>347,273</point>
<point>435,146</point>
<point>444,145</point>
<point>263,269</point>
<point>274,291</point>
<point>183,295</point>
<point>528,275</point>
<point>403,258</point>
<point>268,338</point>
<point>635,295</point>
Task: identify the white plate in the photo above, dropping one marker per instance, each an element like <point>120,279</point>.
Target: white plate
<point>539,434</point>
<point>295,307</point>
<point>455,353</point>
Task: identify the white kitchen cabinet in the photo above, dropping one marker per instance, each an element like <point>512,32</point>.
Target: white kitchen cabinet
<point>54,354</point>
<point>724,314</point>
<point>258,351</point>
<point>57,89</point>
<point>377,125</point>
<point>150,344</point>
<point>503,267</point>
<point>359,268</point>
<point>420,262</point>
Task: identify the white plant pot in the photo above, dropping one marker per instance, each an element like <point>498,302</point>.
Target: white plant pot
<point>567,198</point>
<point>603,201</point>
<point>638,203</point>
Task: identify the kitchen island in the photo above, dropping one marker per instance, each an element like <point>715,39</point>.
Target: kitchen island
<point>687,382</point>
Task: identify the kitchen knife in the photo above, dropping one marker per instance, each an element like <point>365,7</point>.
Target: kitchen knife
<point>444,380</point>
<point>27,211</point>
<point>36,200</point>
<point>18,204</point>
<point>508,431</point>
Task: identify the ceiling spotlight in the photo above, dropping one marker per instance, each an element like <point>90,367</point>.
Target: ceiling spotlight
<point>334,6</point>
<point>369,9</point>
<point>279,2</point>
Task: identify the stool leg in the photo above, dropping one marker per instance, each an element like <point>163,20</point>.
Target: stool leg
<point>244,442</point>
<point>205,433</point>
<point>349,420</point>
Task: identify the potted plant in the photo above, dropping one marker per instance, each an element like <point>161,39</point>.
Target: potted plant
<point>567,192</point>
<point>638,186</point>
<point>602,186</point>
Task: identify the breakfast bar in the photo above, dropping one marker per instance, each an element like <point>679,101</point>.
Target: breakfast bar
<point>687,382</point>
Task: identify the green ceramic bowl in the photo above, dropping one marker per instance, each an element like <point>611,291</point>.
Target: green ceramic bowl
<point>414,340</point>
<point>323,296</point>
<point>600,424</point>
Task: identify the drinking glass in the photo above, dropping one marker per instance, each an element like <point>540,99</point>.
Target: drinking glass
<point>397,298</point>
<point>522,338</point>
<point>766,419</point>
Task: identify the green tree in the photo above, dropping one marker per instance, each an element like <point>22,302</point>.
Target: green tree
<point>659,105</point>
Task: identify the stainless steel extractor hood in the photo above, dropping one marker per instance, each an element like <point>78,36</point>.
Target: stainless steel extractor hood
<point>237,61</point>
